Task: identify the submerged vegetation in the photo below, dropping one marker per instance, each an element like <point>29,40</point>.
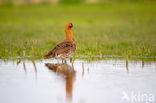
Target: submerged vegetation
<point>125,29</point>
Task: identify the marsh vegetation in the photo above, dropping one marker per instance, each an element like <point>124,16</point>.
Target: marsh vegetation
<point>125,29</point>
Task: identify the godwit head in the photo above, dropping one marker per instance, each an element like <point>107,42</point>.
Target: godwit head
<point>68,30</point>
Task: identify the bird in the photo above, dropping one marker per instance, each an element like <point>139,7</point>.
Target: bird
<point>67,72</point>
<point>64,49</point>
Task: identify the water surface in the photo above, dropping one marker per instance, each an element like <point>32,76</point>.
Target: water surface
<point>100,81</point>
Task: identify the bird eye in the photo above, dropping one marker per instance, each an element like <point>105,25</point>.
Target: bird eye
<point>70,25</point>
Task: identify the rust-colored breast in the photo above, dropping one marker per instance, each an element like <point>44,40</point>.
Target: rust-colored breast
<point>62,50</point>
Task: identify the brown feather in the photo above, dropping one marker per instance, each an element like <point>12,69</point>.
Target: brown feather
<point>64,49</point>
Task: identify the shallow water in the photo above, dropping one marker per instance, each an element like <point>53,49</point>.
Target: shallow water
<point>101,81</point>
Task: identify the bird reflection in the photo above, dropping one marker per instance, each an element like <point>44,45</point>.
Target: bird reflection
<point>68,73</point>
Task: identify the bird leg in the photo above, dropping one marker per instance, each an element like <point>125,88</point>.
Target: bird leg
<point>58,61</point>
<point>62,61</point>
<point>65,61</point>
<point>71,60</point>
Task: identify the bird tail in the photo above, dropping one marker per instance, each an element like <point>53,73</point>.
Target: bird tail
<point>46,56</point>
<point>49,55</point>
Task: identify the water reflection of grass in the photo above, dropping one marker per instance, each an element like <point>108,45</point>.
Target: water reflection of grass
<point>110,29</point>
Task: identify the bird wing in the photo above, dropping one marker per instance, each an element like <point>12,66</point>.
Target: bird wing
<point>62,48</point>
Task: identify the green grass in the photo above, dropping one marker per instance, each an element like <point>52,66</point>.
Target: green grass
<point>126,29</point>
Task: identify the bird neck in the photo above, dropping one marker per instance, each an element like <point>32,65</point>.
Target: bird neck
<point>69,35</point>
